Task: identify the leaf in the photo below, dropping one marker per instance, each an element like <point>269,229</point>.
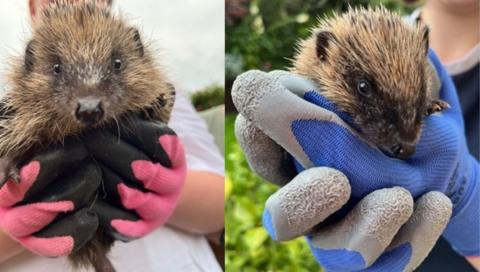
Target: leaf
<point>255,237</point>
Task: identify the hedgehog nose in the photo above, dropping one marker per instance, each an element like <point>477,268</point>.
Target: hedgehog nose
<point>89,111</point>
<point>403,151</point>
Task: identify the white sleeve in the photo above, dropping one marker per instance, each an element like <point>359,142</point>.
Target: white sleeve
<point>201,151</point>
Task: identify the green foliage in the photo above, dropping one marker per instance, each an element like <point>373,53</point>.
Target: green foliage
<point>208,97</point>
<point>265,37</point>
<point>248,246</point>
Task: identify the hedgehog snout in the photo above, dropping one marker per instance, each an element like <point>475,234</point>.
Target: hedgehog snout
<point>399,150</point>
<point>89,111</point>
<point>402,150</point>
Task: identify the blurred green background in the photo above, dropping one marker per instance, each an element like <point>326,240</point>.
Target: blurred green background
<point>208,97</point>
<point>261,34</point>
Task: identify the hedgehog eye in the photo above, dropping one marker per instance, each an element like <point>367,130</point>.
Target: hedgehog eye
<point>364,87</point>
<point>57,69</point>
<point>117,64</point>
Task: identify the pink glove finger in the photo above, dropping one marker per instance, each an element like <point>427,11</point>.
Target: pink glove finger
<point>11,193</point>
<point>148,206</point>
<point>158,178</point>
<point>25,220</point>
<point>174,149</point>
<point>48,247</point>
<point>135,229</point>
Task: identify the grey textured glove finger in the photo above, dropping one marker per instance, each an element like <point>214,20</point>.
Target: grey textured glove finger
<point>306,201</point>
<point>370,227</point>
<point>260,129</point>
<point>430,217</point>
<point>265,157</point>
<point>265,101</point>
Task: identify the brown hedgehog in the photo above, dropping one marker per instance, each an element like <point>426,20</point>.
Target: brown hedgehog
<point>84,68</point>
<point>373,66</point>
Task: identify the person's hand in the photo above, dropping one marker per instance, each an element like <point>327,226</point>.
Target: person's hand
<point>47,211</point>
<point>385,231</point>
<point>280,112</point>
<point>144,168</point>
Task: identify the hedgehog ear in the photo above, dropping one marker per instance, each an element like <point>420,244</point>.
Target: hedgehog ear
<point>323,38</point>
<point>29,57</point>
<point>425,31</point>
<point>138,41</point>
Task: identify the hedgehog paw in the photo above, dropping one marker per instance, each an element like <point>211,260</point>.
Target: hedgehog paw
<point>437,106</point>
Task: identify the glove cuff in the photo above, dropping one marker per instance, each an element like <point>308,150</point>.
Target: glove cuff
<point>463,231</point>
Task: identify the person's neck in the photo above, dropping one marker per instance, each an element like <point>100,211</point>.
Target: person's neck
<point>453,33</point>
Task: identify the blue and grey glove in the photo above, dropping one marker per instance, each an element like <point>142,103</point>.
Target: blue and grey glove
<point>280,112</point>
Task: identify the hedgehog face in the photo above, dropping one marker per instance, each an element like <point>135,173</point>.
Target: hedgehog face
<point>372,65</point>
<point>90,65</point>
<point>382,114</point>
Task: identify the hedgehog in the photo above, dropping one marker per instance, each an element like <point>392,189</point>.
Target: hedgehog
<point>374,67</point>
<point>83,68</point>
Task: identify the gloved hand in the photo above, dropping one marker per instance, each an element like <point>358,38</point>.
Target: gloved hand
<point>144,168</point>
<point>46,211</point>
<point>281,113</point>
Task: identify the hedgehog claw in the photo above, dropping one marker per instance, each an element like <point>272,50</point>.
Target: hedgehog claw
<point>14,175</point>
<point>8,171</point>
<point>437,106</point>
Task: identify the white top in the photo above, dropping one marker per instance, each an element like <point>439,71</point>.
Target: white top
<point>465,63</point>
<point>202,153</point>
<point>166,249</point>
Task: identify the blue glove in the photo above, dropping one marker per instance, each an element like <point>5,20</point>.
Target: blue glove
<point>318,137</point>
<point>440,153</point>
<point>442,162</point>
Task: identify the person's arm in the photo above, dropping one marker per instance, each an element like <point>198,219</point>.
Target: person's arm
<point>201,205</point>
<point>8,248</point>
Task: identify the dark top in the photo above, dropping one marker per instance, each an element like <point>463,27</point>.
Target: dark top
<point>467,84</point>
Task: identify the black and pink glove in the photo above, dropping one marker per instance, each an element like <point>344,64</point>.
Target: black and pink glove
<point>144,168</point>
<point>45,211</point>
